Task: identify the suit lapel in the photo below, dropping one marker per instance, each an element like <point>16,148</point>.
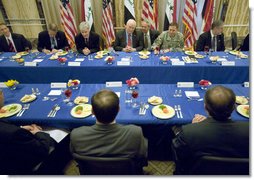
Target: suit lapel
<point>134,37</point>
<point>124,38</point>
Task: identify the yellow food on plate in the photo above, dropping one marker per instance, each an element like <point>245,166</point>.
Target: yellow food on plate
<point>98,56</point>
<point>102,53</point>
<point>244,110</point>
<point>144,53</point>
<point>243,55</point>
<point>53,57</point>
<point>163,111</point>
<point>16,56</point>
<point>199,56</point>
<point>241,100</point>
<point>155,100</point>
<point>10,110</point>
<point>81,100</point>
<point>61,53</point>
<point>144,57</point>
<point>28,98</point>
<point>190,52</point>
<point>81,111</point>
<point>22,53</point>
<point>214,58</point>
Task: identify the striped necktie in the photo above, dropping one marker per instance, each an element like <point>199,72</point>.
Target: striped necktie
<point>129,40</point>
<point>11,47</point>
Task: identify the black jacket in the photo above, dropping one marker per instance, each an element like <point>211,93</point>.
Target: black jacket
<point>93,42</point>
<point>44,41</point>
<point>20,42</point>
<point>205,40</point>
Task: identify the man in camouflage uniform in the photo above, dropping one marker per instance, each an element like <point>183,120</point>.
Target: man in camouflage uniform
<point>170,40</point>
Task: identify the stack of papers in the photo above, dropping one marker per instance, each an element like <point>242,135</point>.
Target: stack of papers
<point>192,94</point>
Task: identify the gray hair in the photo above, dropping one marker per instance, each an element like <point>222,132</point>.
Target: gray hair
<point>217,23</point>
<point>83,26</point>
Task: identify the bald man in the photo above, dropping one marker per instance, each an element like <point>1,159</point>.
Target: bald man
<point>129,40</point>
<point>215,135</point>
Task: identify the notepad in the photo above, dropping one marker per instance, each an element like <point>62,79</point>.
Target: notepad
<point>55,93</point>
<point>192,94</point>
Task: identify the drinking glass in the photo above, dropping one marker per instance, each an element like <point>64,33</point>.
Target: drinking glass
<point>134,95</point>
<point>206,49</point>
<point>67,95</point>
<point>128,95</point>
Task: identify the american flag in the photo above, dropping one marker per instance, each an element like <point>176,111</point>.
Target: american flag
<point>150,13</point>
<point>68,21</point>
<point>107,23</point>
<point>189,20</point>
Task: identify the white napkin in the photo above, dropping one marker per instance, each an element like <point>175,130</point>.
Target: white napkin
<point>118,94</point>
<point>79,59</point>
<point>38,60</point>
<point>174,59</point>
<point>222,59</point>
<point>54,93</point>
<point>192,94</point>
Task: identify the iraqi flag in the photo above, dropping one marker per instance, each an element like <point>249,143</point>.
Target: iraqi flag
<point>129,12</point>
<point>170,13</point>
<point>87,12</point>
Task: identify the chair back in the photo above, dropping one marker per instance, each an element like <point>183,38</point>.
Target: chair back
<point>106,165</point>
<point>234,40</point>
<point>212,165</point>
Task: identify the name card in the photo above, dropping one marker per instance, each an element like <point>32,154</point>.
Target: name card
<point>114,84</point>
<point>246,84</point>
<point>185,84</point>
<point>38,60</point>
<point>222,59</point>
<point>2,85</point>
<point>58,85</point>
<point>178,63</point>
<point>228,63</point>
<point>79,59</point>
<point>73,63</point>
<point>30,64</point>
<point>174,59</point>
<point>123,63</point>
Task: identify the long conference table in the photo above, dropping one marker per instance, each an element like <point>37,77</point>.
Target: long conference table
<point>37,113</point>
<point>149,71</point>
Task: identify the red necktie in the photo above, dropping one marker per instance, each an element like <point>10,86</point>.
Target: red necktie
<point>129,40</point>
<point>11,47</point>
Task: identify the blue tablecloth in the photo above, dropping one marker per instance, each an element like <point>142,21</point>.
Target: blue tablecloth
<point>39,109</point>
<point>150,71</point>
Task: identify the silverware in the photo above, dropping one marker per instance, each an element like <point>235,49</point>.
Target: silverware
<point>26,106</point>
<point>180,111</point>
<point>56,109</point>
<point>33,91</point>
<point>37,91</point>
<point>52,110</point>
<point>177,114</point>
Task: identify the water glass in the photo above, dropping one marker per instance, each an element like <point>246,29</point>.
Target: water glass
<point>90,57</point>
<point>128,96</point>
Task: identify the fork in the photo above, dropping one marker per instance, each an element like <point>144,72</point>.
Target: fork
<point>180,112</point>
<point>177,111</point>
<point>26,106</point>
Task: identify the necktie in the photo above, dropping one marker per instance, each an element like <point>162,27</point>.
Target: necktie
<point>11,47</point>
<point>146,41</point>
<point>86,41</point>
<point>53,43</point>
<point>129,40</point>
<point>214,43</point>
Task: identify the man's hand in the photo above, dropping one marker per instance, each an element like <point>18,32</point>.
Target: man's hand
<point>198,118</point>
<point>128,49</point>
<point>86,51</point>
<point>46,51</point>
<point>54,51</point>
<point>33,128</point>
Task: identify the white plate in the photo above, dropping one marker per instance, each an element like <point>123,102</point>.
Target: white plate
<point>240,109</point>
<point>155,100</point>
<point>142,53</point>
<point>98,56</point>
<point>61,53</point>
<point>199,56</point>
<point>144,57</point>
<point>190,52</point>
<point>157,112</point>
<point>241,100</point>
<point>28,98</point>
<point>81,100</point>
<point>103,53</point>
<point>87,111</point>
<point>10,112</point>
<point>22,53</point>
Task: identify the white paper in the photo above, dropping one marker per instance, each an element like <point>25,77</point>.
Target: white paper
<point>118,94</point>
<point>79,59</point>
<point>56,134</point>
<point>2,85</point>
<point>38,60</point>
<point>174,59</point>
<point>192,94</point>
<point>73,63</point>
<point>123,63</point>
<point>125,59</point>
<point>54,93</point>
<point>30,64</point>
<point>222,59</point>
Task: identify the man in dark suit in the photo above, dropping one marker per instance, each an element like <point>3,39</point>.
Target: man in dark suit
<point>52,40</point>
<point>87,41</point>
<point>129,40</point>
<point>107,138</point>
<point>245,45</point>
<point>216,135</point>
<point>149,35</point>
<point>12,42</point>
<point>213,39</point>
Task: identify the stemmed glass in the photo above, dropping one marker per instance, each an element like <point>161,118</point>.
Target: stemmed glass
<point>134,95</point>
<point>206,49</point>
<point>67,94</point>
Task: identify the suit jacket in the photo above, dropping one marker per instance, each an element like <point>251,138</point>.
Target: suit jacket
<point>109,141</point>
<point>205,40</point>
<point>44,41</point>
<point>120,42</point>
<point>211,137</point>
<point>93,42</point>
<point>21,151</point>
<point>21,43</point>
<point>245,45</point>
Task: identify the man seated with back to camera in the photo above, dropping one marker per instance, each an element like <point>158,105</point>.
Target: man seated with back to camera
<point>107,138</point>
<point>26,150</point>
<point>215,135</point>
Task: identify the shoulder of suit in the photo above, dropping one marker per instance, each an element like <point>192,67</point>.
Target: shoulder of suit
<point>132,128</point>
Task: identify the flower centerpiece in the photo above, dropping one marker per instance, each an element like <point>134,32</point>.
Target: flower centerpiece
<point>12,84</point>
<point>62,60</point>
<point>132,83</point>
<point>204,84</point>
<point>164,59</point>
<point>109,59</point>
<point>74,84</point>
